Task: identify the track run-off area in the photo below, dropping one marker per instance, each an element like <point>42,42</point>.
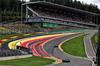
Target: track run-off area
<point>44,46</point>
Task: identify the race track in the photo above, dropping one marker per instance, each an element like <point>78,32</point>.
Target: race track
<point>43,45</point>
<point>56,52</point>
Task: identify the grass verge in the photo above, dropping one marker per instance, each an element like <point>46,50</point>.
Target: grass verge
<point>96,38</point>
<point>8,36</point>
<point>75,46</point>
<point>31,61</point>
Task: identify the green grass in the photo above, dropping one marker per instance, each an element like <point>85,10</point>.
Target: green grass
<point>75,46</point>
<point>31,61</point>
<point>96,38</point>
<point>8,36</point>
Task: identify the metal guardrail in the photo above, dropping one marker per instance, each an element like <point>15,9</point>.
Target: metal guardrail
<point>72,30</point>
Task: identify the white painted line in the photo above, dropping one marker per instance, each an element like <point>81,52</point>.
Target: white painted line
<point>75,56</point>
<point>45,51</point>
<point>91,45</point>
<point>92,63</point>
<point>85,47</point>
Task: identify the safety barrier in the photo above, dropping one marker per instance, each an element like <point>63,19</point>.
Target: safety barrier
<point>72,30</point>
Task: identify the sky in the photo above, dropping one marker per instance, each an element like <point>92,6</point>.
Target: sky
<point>96,2</point>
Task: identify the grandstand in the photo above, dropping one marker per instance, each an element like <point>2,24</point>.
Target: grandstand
<point>6,29</point>
<point>50,15</point>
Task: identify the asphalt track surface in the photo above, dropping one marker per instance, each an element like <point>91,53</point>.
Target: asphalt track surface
<point>88,46</point>
<point>5,45</point>
<point>56,52</point>
<point>48,50</point>
<point>34,43</point>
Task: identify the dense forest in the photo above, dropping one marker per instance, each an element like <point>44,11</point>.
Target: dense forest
<point>10,9</point>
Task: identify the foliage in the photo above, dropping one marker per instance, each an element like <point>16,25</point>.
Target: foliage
<point>96,38</point>
<point>12,8</point>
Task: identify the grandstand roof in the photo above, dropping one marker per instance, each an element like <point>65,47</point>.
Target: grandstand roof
<point>60,7</point>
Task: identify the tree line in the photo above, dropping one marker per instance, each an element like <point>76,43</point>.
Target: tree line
<point>11,9</point>
<point>75,4</point>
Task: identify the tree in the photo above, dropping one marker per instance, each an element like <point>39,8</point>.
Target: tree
<point>12,7</point>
